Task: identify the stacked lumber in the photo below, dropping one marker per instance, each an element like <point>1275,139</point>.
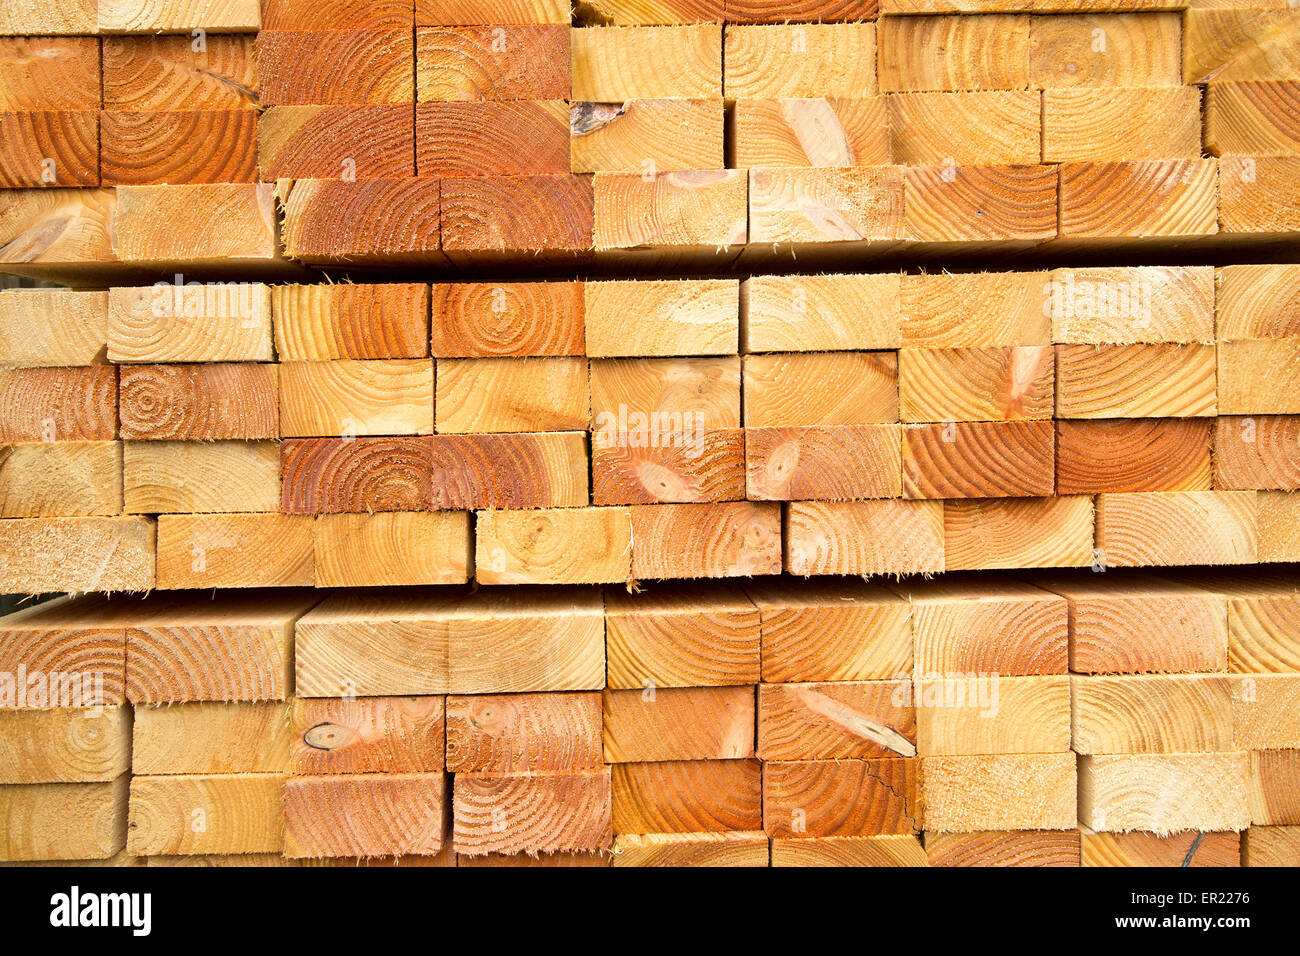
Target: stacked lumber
<point>613,431</point>
<point>1052,719</point>
<point>472,134</point>
<point>549,433</point>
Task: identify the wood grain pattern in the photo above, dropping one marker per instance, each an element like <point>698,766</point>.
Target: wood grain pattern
<point>199,402</point>
<point>324,321</point>
<point>612,64</point>
<point>989,714</point>
<point>1270,846</point>
<point>513,733</point>
<point>831,204</point>
<point>1121,305</point>
<point>131,16</point>
<point>1245,367</point>
<point>465,63</point>
<point>979,460</point>
<point>884,850</point>
<point>364,815</point>
<point>336,475</point>
<point>1192,849</point>
<point>693,317</point>
<point>687,796</point>
<point>240,649</point>
<point>1272,800</point>
<point>636,135</point>
<point>517,213</point>
<point>969,203</point>
<point>1164,793</point>
<point>1240,44</point>
<point>1133,50</point>
<point>1004,848</point>
<point>60,478</point>
<point>356,397</point>
<point>821,798</point>
<point>1255,119</point>
<point>783,62</point>
<point>832,388</point>
<point>864,537</point>
<point>1141,624</point>
<point>483,320</point>
<point>511,395</point>
<point>811,631</point>
<point>729,849</point>
<point>58,404</point>
<point>696,209</point>
<point>975,310</point>
<point>1258,452</point>
<point>517,138</point>
<point>1135,381</point>
<point>539,470</point>
<point>999,792</point>
<point>1178,527</point>
<point>532,813</point>
<point>984,534</point>
<point>684,723</point>
<point>77,554</point>
<point>388,219</point>
<point>328,142</point>
<point>992,127</point>
<point>378,643</point>
<point>663,401</point>
<point>64,745</point>
<point>705,540</point>
<point>43,148</point>
<point>183,815</point>
<point>335,67</point>
<point>49,73</point>
<point>1254,302</point>
<point>173,323</point>
<point>954,53</point>
<point>1180,713</point>
<point>554,546</point>
<point>58,225</point>
<point>166,72</point>
<point>146,148</point>
<point>30,337</point>
<point>820,313</point>
<point>367,735</point>
<point>695,466</point>
<point>388,549</point>
<point>210,738</point>
<point>1136,454</point>
<point>961,624</point>
<point>198,223</point>
<point>688,635</point>
<point>823,463</point>
<point>38,816</point>
<point>1174,197</point>
<point>976,385</point>
<point>840,720</point>
<point>1107,125</point>
<point>815,131</point>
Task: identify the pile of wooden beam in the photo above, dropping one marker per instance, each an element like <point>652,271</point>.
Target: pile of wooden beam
<point>650,432</point>
<point>1062,718</point>
<point>615,431</point>
<point>453,133</point>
